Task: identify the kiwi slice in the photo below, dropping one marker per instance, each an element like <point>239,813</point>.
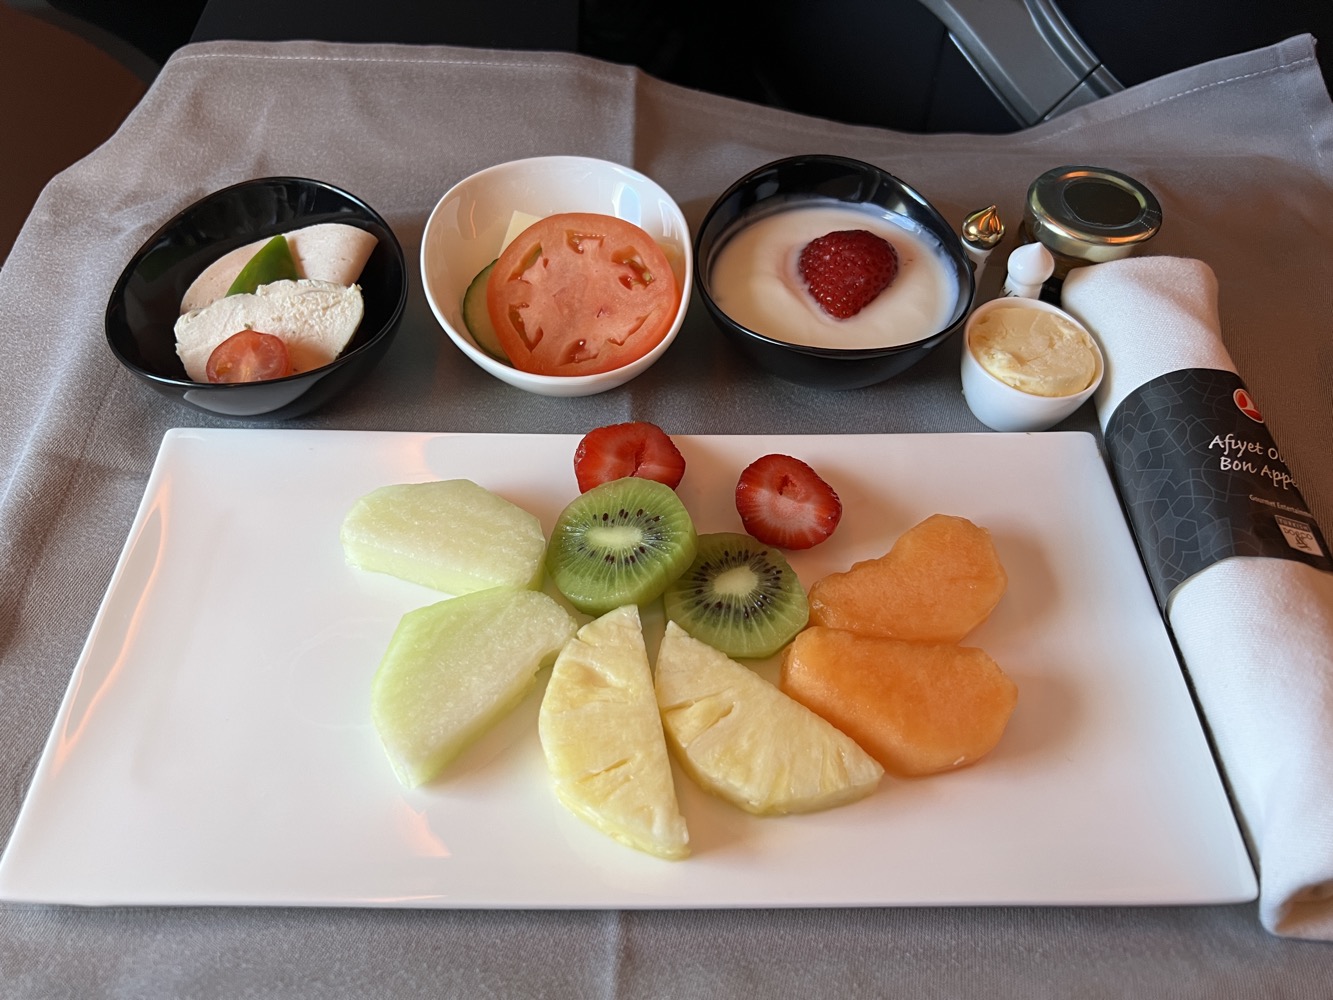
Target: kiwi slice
<point>739,596</point>
<point>620,543</point>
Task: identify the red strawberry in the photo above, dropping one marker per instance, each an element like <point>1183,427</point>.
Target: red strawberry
<point>847,269</point>
<point>783,502</point>
<point>632,449</point>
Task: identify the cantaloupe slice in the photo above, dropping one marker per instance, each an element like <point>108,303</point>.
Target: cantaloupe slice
<point>941,579</point>
<point>917,708</point>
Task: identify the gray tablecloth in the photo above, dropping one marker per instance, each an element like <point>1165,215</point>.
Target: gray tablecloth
<point>1238,151</point>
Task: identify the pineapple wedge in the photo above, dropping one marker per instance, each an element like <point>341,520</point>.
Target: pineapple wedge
<point>452,535</point>
<point>603,740</point>
<point>454,668</point>
<point>742,739</point>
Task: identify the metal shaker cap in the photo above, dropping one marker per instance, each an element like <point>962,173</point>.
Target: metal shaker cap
<point>1091,214</point>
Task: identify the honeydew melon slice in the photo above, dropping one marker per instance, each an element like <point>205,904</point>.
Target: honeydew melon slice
<point>454,669</point>
<point>452,535</point>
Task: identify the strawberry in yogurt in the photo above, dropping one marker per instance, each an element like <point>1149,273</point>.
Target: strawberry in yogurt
<point>846,270</point>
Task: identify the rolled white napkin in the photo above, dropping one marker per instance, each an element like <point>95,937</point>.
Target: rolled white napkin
<point>1255,633</point>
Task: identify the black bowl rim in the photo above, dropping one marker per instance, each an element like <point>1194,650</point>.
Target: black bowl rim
<point>314,374</point>
<point>833,353</point>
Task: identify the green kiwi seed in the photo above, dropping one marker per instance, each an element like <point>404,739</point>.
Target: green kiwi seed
<point>620,543</point>
<point>739,596</point>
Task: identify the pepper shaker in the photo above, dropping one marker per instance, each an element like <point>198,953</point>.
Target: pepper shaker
<point>982,231</point>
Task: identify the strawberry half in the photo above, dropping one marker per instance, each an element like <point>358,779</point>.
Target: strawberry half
<point>783,502</point>
<point>846,270</point>
<point>637,448</point>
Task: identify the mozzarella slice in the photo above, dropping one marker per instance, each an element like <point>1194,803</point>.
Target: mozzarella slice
<point>315,319</point>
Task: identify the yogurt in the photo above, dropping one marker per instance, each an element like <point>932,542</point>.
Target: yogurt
<point>756,281</point>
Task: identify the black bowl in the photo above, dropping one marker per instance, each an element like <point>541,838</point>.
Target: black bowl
<point>144,305</point>
<point>799,179</point>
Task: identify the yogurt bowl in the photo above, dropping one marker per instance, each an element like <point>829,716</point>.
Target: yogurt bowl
<point>747,248</point>
<point>468,227</point>
<point>1027,364</point>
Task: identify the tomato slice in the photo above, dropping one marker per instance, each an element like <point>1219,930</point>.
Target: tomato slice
<point>581,293</point>
<point>249,356</point>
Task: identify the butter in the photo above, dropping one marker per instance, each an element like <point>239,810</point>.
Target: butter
<point>1035,351</point>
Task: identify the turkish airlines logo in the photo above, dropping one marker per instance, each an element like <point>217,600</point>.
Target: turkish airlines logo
<point>1245,403</point>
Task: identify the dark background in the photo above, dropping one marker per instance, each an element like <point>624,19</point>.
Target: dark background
<point>874,62</point>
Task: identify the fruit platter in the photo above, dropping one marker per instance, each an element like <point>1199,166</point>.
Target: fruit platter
<point>231,756</point>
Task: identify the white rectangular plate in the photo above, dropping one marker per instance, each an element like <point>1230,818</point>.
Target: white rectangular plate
<point>214,746</point>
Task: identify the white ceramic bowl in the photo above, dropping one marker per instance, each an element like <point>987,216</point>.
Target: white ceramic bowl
<point>999,405</point>
<point>468,224</point>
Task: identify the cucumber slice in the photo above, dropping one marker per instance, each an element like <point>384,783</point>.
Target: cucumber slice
<point>477,317</point>
<point>271,262</point>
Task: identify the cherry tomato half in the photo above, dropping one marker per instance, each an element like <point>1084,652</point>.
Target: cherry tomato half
<point>581,293</point>
<point>249,356</point>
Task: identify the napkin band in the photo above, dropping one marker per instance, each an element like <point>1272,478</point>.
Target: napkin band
<point>1201,479</point>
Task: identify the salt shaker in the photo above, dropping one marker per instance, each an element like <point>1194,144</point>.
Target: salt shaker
<point>1029,266</point>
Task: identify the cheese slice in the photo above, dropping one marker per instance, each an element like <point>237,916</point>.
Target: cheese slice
<point>518,222</point>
